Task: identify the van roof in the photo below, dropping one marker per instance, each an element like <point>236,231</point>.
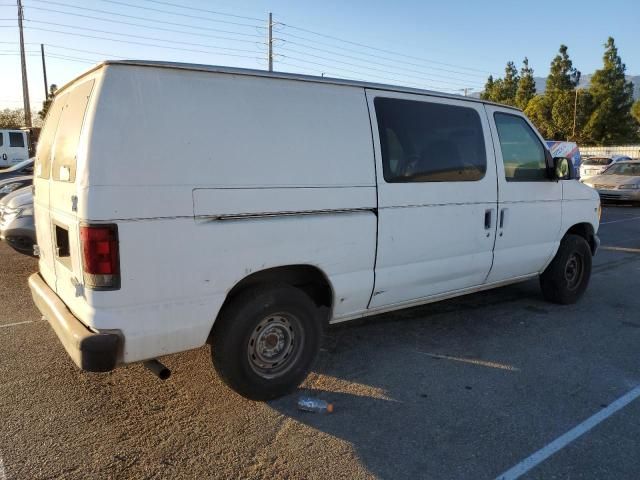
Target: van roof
<point>282,75</point>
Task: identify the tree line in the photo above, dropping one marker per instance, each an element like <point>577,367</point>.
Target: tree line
<point>602,114</point>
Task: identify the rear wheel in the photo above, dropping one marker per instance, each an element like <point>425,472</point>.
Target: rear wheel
<point>567,276</point>
<point>265,341</point>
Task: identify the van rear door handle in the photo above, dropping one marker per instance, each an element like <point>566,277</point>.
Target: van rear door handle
<point>488,218</point>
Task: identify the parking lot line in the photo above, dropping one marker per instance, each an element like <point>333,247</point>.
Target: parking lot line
<point>472,361</point>
<point>3,475</point>
<point>622,249</point>
<point>564,440</point>
<point>620,220</point>
<point>13,325</point>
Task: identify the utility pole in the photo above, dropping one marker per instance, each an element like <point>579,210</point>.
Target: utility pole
<point>270,41</point>
<point>575,112</point>
<point>25,86</point>
<point>44,72</point>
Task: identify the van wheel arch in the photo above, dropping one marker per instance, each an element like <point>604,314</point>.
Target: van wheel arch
<point>308,278</point>
<point>586,231</point>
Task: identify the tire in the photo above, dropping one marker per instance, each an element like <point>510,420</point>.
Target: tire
<point>566,278</point>
<point>266,340</point>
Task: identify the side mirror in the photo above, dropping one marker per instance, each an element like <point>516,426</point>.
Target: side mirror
<point>563,168</point>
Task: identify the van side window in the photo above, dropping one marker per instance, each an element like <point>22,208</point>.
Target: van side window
<point>522,153</point>
<point>1,137</point>
<point>16,139</point>
<point>429,142</point>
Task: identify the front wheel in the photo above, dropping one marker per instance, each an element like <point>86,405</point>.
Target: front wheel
<point>567,276</point>
<point>265,341</point>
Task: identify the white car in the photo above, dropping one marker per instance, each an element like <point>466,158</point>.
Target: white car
<point>299,201</point>
<point>592,166</point>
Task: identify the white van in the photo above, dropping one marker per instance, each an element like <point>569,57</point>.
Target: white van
<point>183,204</point>
<point>14,147</point>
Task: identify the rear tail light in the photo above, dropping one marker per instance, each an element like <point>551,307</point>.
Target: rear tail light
<point>100,258</point>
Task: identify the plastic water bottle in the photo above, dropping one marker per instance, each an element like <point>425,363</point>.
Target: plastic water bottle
<point>309,404</point>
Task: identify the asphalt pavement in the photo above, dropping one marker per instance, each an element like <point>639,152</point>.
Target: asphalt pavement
<point>470,388</point>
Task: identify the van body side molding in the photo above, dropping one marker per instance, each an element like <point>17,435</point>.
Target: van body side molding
<point>286,214</point>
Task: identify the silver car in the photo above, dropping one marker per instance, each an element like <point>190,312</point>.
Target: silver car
<point>619,182</point>
<point>17,227</point>
<point>593,166</point>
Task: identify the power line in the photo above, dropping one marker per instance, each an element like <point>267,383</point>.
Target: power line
<point>365,75</point>
<point>141,43</point>
<point>375,56</point>
<point>120,22</point>
<point>204,10</point>
<point>135,17</point>
<point>155,39</point>
<point>116,2</point>
<point>375,48</point>
<point>447,79</point>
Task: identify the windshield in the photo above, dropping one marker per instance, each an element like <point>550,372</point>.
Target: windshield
<point>597,161</point>
<point>628,169</point>
<point>18,166</point>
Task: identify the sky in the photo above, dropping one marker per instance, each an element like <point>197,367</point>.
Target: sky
<point>444,45</point>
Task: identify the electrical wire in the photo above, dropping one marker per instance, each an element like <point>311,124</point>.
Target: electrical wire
<point>376,48</point>
<point>135,17</point>
<point>120,22</point>
<point>125,4</point>
<point>155,39</point>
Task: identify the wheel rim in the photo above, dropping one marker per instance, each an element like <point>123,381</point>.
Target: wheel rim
<point>274,345</point>
<point>574,271</point>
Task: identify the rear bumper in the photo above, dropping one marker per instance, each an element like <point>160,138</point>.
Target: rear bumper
<point>91,351</point>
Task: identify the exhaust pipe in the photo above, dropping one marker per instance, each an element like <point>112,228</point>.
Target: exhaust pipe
<point>158,369</point>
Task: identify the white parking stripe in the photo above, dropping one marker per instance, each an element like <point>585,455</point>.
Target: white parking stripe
<point>564,440</point>
<point>472,361</point>
<point>621,249</point>
<point>3,475</point>
<point>621,220</point>
<point>14,324</point>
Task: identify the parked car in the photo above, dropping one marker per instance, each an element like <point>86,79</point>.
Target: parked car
<point>11,184</point>
<point>592,166</point>
<point>17,227</point>
<point>619,182</point>
<point>300,201</point>
<point>18,170</point>
<point>14,147</point>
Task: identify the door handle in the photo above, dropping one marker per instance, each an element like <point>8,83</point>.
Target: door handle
<point>488,218</point>
<point>503,214</point>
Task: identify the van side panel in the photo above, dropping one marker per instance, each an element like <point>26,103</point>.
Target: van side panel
<point>175,154</point>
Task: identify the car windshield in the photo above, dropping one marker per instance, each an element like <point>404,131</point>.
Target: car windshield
<point>597,161</point>
<point>18,166</point>
<point>627,169</point>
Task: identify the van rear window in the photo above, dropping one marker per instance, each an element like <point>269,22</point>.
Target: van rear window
<point>68,134</point>
<point>47,136</point>
<point>430,142</point>
<point>16,139</point>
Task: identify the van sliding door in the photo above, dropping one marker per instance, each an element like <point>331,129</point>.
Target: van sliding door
<point>437,196</point>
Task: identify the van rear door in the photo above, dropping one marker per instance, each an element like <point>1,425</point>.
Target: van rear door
<point>60,231</point>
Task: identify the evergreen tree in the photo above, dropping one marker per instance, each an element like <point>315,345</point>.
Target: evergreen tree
<point>611,121</point>
<point>487,94</point>
<point>48,101</point>
<point>562,75</point>
<point>502,90</point>
<point>635,111</point>
<point>526,86</point>
<point>509,86</point>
